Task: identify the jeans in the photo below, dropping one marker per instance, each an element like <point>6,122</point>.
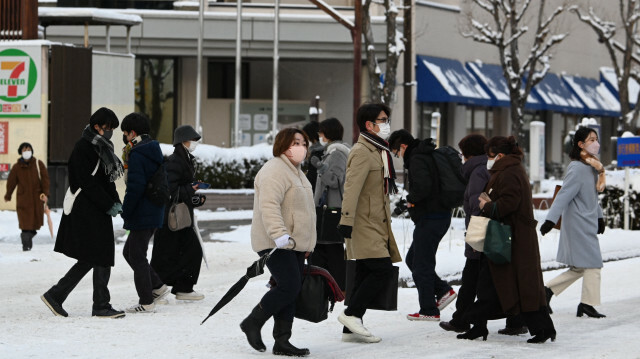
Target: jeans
<point>421,260</point>
<point>66,284</point>
<point>135,253</point>
<point>286,269</point>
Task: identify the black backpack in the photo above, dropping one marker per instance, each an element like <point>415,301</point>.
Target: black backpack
<point>157,190</point>
<point>450,183</point>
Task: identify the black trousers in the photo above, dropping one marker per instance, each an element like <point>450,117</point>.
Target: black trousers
<point>286,269</point>
<point>135,253</point>
<point>466,293</point>
<point>66,284</point>
<point>330,256</point>
<point>371,276</point>
<point>177,258</point>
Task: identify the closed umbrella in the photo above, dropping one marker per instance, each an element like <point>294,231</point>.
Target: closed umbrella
<point>47,211</point>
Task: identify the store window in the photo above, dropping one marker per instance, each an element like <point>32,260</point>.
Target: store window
<point>479,120</point>
<point>155,94</point>
<point>221,79</point>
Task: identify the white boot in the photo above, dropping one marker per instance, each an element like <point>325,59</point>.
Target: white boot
<point>354,324</point>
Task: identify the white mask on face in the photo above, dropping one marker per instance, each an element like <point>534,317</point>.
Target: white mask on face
<point>490,163</point>
<point>593,148</point>
<point>298,153</point>
<point>385,130</point>
<point>27,155</point>
<point>192,146</point>
<point>322,141</point>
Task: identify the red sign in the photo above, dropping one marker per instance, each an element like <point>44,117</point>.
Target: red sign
<point>4,138</point>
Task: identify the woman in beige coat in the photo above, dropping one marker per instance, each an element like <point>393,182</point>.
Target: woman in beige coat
<point>284,216</point>
<point>366,217</point>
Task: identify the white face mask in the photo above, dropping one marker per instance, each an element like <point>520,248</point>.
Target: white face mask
<point>297,154</point>
<point>490,163</point>
<point>323,141</point>
<point>192,146</point>
<point>593,148</point>
<point>385,130</point>
<point>27,154</point>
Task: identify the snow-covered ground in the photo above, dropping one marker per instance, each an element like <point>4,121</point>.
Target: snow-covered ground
<point>29,330</point>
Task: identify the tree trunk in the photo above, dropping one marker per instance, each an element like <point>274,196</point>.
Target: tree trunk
<point>375,93</point>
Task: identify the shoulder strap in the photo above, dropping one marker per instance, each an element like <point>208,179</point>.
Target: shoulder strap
<point>38,168</point>
<point>96,169</point>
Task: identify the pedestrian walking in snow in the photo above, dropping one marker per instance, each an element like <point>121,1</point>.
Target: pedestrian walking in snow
<point>516,287</point>
<point>86,233</point>
<point>177,255</point>
<point>283,217</point>
<point>142,157</point>
<point>29,175</point>
<point>582,220</point>
<point>366,218</point>
<point>316,150</point>
<point>329,251</point>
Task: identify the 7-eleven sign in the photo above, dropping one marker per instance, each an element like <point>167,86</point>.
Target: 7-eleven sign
<point>14,76</point>
<point>19,85</point>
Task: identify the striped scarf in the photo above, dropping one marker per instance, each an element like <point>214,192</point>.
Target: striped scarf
<point>389,175</point>
<point>104,148</point>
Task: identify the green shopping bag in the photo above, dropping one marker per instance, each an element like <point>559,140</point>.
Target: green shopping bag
<point>497,243</point>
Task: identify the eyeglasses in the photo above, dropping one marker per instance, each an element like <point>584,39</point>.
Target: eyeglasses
<point>384,120</point>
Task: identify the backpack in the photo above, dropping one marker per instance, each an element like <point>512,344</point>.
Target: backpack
<point>450,183</point>
<point>157,191</point>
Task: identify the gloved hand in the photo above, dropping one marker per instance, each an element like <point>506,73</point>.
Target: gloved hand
<point>601,225</point>
<point>546,227</point>
<point>119,207</point>
<point>115,209</point>
<point>345,230</point>
<point>282,241</point>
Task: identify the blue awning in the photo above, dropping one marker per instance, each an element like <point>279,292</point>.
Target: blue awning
<point>556,96</point>
<point>491,78</point>
<point>446,80</point>
<point>609,78</point>
<point>598,100</point>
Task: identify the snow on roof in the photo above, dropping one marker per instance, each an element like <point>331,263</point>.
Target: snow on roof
<point>593,93</point>
<point>552,91</point>
<point>608,74</point>
<point>457,82</point>
<point>78,15</point>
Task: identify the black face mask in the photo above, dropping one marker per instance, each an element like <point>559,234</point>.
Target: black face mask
<point>124,139</point>
<point>107,134</point>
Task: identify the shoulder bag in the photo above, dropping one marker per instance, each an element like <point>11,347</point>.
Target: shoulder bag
<point>70,197</point>
<point>179,216</point>
<point>328,219</point>
<point>497,243</point>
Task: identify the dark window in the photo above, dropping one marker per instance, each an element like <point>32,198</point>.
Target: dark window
<point>221,80</point>
<point>155,94</point>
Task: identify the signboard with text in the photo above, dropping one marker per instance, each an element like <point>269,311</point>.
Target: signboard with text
<point>629,151</point>
<point>20,81</point>
<point>4,137</point>
<point>4,171</point>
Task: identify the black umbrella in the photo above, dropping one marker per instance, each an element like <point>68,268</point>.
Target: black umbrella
<point>253,270</point>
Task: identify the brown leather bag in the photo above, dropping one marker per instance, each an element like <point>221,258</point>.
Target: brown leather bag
<point>555,192</point>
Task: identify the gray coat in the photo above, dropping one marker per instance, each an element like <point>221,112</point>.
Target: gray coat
<point>577,202</point>
<point>331,173</point>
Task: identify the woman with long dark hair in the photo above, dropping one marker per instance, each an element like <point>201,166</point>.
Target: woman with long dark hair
<point>582,221</point>
<point>516,287</point>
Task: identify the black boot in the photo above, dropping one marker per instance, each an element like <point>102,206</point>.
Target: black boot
<point>282,333</point>
<point>549,294</point>
<point>474,333</point>
<point>26,241</point>
<point>589,311</point>
<point>251,326</point>
<point>543,336</point>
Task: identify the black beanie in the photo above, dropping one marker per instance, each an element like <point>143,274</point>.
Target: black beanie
<point>23,145</point>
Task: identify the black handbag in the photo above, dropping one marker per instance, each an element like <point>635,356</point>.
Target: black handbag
<point>387,298</point>
<point>328,219</point>
<point>312,303</point>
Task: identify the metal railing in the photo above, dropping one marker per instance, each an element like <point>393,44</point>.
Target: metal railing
<point>18,20</point>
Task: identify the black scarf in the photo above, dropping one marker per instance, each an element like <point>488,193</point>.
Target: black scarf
<point>389,180</point>
<point>104,148</point>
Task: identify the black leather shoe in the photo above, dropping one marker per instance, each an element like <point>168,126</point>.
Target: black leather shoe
<point>448,326</point>
<point>543,337</point>
<point>53,305</point>
<point>474,333</point>
<point>549,293</point>
<point>513,331</point>
<point>589,311</point>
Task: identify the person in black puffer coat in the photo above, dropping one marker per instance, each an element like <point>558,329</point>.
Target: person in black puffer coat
<point>177,256</point>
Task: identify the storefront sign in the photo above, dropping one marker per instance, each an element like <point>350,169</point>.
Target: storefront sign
<point>4,138</point>
<point>4,171</point>
<point>629,151</point>
<point>20,81</point>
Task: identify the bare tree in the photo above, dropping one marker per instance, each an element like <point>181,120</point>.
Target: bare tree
<point>155,71</point>
<point>505,34</point>
<point>382,92</point>
<point>606,30</point>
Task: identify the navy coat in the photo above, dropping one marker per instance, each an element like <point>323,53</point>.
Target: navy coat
<point>137,211</point>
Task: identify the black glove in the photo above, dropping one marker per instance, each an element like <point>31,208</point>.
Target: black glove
<point>345,230</point>
<point>546,227</point>
<point>601,225</point>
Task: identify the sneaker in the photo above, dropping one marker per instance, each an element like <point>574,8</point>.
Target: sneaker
<point>446,299</point>
<point>357,338</point>
<point>193,295</point>
<point>55,307</point>
<point>159,294</point>
<point>142,308</point>
<point>354,324</point>
<point>107,313</point>
<point>426,318</point>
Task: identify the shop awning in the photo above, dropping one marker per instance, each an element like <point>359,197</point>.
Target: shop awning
<point>447,80</point>
<point>556,96</point>
<point>609,78</point>
<point>598,100</point>
<point>492,80</point>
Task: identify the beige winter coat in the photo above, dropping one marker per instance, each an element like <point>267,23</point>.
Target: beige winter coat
<point>283,204</point>
<point>365,206</point>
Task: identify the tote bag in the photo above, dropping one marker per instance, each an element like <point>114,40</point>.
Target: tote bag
<point>497,243</point>
<point>70,197</point>
<point>387,298</point>
<point>179,216</point>
<point>476,232</point>
<point>312,303</point>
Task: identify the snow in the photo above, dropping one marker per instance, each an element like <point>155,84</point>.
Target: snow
<point>98,14</point>
<point>174,330</point>
<point>492,76</point>
<point>456,81</point>
<point>593,93</point>
<point>608,74</point>
<point>553,92</point>
<point>210,154</point>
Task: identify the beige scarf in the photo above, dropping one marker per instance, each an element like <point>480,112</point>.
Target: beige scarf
<point>595,163</point>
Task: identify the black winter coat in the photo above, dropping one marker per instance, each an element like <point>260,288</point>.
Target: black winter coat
<point>476,173</point>
<point>137,211</point>
<point>423,181</point>
<point>86,234</point>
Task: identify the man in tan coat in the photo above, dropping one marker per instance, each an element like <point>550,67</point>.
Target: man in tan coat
<point>366,217</point>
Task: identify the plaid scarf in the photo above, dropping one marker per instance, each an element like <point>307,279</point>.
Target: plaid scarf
<point>593,161</point>
<point>389,175</point>
<point>104,148</point>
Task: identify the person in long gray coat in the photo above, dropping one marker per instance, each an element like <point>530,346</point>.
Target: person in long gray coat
<point>577,203</point>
